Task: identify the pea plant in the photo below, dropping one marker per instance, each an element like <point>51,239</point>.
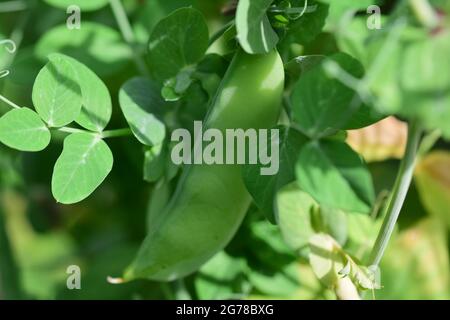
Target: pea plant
<point>314,71</point>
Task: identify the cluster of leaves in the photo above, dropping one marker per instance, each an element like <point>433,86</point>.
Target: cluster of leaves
<point>322,195</point>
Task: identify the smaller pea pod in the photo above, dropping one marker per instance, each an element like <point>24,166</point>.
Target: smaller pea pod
<point>211,201</point>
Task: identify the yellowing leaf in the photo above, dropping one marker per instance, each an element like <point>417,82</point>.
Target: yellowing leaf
<point>380,141</point>
<point>432,177</point>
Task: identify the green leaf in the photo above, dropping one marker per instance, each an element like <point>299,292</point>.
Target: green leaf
<point>85,162</point>
<point>154,163</point>
<point>338,8</point>
<point>335,176</point>
<point>294,216</point>
<point>56,93</point>
<point>22,129</point>
<point>305,29</point>
<point>95,45</point>
<point>159,198</point>
<point>142,105</point>
<point>220,277</point>
<point>85,5</point>
<point>263,188</point>
<point>151,12</point>
<point>97,106</point>
<point>425,88</point>
<point>284,281</point>
<point>254,32</point>
<point>177,41</point>
<point>322,104</point>
<point>302,64</point>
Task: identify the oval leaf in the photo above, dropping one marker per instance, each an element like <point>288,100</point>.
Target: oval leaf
<point>254,32</point>
<point>335,176</point>
<point>97,106</point>
<point>177,41</point>
<point>141,104</point>
<point>322,104</point>
<point>56,93</point>
<point>23,129</point>
<point>85,162</point>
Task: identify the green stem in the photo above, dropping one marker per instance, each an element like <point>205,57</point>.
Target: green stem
<point>9,102</point>
<point>425,13</point>
<point>116,133</point>
<point>12,6</point>
<point>9,272</point>
<point>104,135</point>
<point>398,194</point>
<point>128,34</point>
<point>428,142</point>
<point>72,130</point>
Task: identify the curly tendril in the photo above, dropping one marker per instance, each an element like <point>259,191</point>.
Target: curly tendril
<point>11,47</point>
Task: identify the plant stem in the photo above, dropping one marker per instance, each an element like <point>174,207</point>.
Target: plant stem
<point>104,135</point>
<point>425,13</point>
<point>428,142</point>
<point>116,133</point>
<point>11,6</point>
<point>72,130</point>
<point>398,194</point>
<point>9,102</point>
<point>127,33</point>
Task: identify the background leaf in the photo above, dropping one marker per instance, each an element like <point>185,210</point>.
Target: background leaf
<point>432,177</point>
<point>95,45</point>
<point>85,5</point>
<point>294,211</point>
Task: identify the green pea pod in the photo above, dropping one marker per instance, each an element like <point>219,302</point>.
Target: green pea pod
<point>210,201</point>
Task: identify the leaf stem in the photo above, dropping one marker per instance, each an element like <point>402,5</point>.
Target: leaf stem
<point>128,34</point>
<point>104,135</point>
<point>425,13</point>
<point>12,6</point>
<point>72,130</point>
<point>398,194</point>
<point>116,133</point>
<point>9,102</point>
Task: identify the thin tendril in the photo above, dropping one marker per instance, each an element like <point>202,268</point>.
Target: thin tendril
<point>11,47</point>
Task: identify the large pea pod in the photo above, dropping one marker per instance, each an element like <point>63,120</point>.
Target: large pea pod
<point>210,201</point>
